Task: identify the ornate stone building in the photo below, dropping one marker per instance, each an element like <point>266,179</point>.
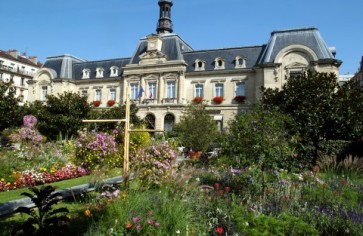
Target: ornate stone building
<point>165,73</point>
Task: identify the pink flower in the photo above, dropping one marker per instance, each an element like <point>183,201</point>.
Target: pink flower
<point>135,219</point>
<point>150,213</point>
<point>149,221</point>
<point>157,224</point>
<point>138,226</point>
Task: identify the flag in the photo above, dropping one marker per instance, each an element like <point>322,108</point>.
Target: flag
<point>141,90</point>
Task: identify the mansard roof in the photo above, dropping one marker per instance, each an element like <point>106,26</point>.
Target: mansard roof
<point>93,65</point>
<point>62,65</point>
<point>173,47</point>
<point>251,54</point>
<point>309,37</point>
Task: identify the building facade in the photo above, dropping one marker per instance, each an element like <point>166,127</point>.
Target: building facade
<point>358,77</point>
<point>165,73</point>
<point>19,69</point>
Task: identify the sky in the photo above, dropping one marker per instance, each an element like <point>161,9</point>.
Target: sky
<point>108,29</point>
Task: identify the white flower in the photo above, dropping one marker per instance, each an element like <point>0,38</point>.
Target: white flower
<point>177,232</point>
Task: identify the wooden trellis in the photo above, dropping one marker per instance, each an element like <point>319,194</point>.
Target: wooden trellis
<point>126,166</point>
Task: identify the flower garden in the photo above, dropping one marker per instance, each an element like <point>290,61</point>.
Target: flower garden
<point>272,176</point>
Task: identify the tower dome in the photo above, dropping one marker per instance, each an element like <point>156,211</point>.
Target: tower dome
<point>165,24</point>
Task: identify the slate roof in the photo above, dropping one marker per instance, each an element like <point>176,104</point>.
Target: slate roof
<point>309,37</point>
<point>93,65</point>
<point>62,65</point>
<point>173,47</point>
<point>361,65</point>
<point>229,55</point>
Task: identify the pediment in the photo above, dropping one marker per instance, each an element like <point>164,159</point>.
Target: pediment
<point>296,65</point>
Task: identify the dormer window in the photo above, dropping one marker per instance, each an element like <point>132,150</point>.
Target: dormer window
<point>86,73</point>
<point>240,62</point>
<point>218,63</point>
<point>199,65</point>
<point>114,71</point>
<point>99,72</point>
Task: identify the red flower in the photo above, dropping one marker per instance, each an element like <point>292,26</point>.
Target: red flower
<point>198,99</point>
<point>227,189</point>
<point>96,103</point>
<point>240,99</point>
<point>216,185</point>
<point>220,192</point>
<point>218,99</point>
<point>110,103</point>
<point>219,230</point>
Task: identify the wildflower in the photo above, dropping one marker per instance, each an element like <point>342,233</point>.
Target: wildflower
<point>2,180</point>
<point>149,221</point>
<point>220,192</point>
<point>177,232</point>
<point>227,189</point>
<point>150,213</point>
<point>157,224</point>
<point>135,219</point>
<point>138,226</point>
<point>128,225</point>
<point>216,185</point>
<point>87,212</point>
<point>219,230</point>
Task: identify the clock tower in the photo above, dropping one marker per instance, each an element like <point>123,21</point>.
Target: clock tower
<point>165,24</point>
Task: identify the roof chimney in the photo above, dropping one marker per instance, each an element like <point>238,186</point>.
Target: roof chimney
<point>34,59</point>
<point>14,53</point>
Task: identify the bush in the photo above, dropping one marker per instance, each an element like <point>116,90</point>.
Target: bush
<point>154,165</point>
<point>261,137</point>
<point>97,150</point>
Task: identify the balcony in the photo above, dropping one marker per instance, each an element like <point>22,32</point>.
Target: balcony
<point>149,101</point>
<point>169,101</point>
<point>16,70</point>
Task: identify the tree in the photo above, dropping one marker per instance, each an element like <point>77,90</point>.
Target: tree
<point>60,115</point>
<point>9,108</point>
<point>322,109</point>
<point>196,128</point>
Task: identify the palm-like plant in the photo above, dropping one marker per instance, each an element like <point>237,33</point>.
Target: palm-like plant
<point>43,219</point>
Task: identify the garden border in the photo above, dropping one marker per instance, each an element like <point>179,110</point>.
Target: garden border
<point>10,207</point>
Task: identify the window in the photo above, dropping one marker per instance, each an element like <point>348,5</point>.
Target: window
<point>240,89</point>
<point>199,91</point>
<point>152,90</point>
<point>114,71</point>
<point>240,62</point>
<point>170,89</point>
<point>99,72</point>
<point>113,94</point>
<point>295,73</point>
<point>218,63</point>
<point>169,121</point>
<point>84,93</point>
<point>219,90</point>
<point>150,121</point>
<point>98,95</point>
<point>1,75</point>
<point>44,93</point>
<point>22,81</point>
<point>199,65</point>
<point>85,73</point>
<point>134,90</point>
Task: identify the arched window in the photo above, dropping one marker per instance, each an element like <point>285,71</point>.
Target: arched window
<point>169,121</point>
<point>218,63</point>
<point>86,73</point>
<point>199,65</point>
<point>150,121</point>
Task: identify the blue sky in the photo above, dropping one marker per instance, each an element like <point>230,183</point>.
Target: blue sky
<point>107,29</point>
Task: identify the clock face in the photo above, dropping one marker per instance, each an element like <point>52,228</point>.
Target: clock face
<point>152,44</point>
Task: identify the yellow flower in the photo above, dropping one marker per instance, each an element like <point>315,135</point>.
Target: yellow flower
<point>2,180</point>
<point>87,213</point>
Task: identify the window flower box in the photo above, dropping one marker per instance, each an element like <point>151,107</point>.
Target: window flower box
<point>96,103</point>
<point>218,100</point>
<point>198,100</point>
<point>240,99</point>
<point>110,103</point>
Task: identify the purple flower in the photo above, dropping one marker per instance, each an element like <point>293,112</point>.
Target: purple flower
<point>135,219</point>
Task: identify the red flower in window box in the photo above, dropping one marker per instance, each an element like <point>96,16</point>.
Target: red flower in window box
<point>198,99</point>
<point>240,99</point>
<point>218,100</point>
<point>96,103</point>
<point>110,103</point>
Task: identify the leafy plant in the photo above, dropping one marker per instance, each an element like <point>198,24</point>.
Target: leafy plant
<point>9,106</point>
<point>196,128</point>
<point>44,220</point>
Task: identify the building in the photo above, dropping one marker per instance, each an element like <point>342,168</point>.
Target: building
<point>165,73</point>
<point>344,78</point>
<point>358,77</point>
<point>19,69</point>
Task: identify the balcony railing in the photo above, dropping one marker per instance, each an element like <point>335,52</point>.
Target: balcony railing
<point>16,70</point>
<point>149,101</point>
<point>169,100</point>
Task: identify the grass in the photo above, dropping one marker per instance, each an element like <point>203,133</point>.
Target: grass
<point>16,194</point>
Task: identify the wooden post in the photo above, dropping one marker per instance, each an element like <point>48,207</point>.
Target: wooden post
<point>127,139</point>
